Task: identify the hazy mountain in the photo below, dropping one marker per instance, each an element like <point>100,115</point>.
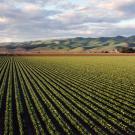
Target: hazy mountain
<point>78,44</point>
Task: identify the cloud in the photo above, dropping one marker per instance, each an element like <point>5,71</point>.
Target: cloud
<point>113,4</point>
<point>126,24</point>
<point>41,19</point>
<point>31,7</point>
<point>123,7</point>
<point>3,20</point>
<point>128,8</point>
<point>5,39</point>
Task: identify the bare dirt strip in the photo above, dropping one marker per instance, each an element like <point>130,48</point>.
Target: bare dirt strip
<point>70,54</point>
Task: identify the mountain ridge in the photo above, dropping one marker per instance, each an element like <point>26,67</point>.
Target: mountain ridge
<point>78,44</point>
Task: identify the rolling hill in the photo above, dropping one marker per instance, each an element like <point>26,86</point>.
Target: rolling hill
<point>72,45</point>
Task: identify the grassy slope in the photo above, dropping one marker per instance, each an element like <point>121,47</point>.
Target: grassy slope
<point>75,44</point>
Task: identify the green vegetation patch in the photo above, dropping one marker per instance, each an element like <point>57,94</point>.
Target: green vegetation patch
<point>67,95</point>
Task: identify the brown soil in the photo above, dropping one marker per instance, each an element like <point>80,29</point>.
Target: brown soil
<point>70,54</point>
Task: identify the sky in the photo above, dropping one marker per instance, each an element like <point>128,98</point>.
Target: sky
<point>25,20</point>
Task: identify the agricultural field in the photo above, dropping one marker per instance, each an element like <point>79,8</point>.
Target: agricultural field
<point>67,95</point>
